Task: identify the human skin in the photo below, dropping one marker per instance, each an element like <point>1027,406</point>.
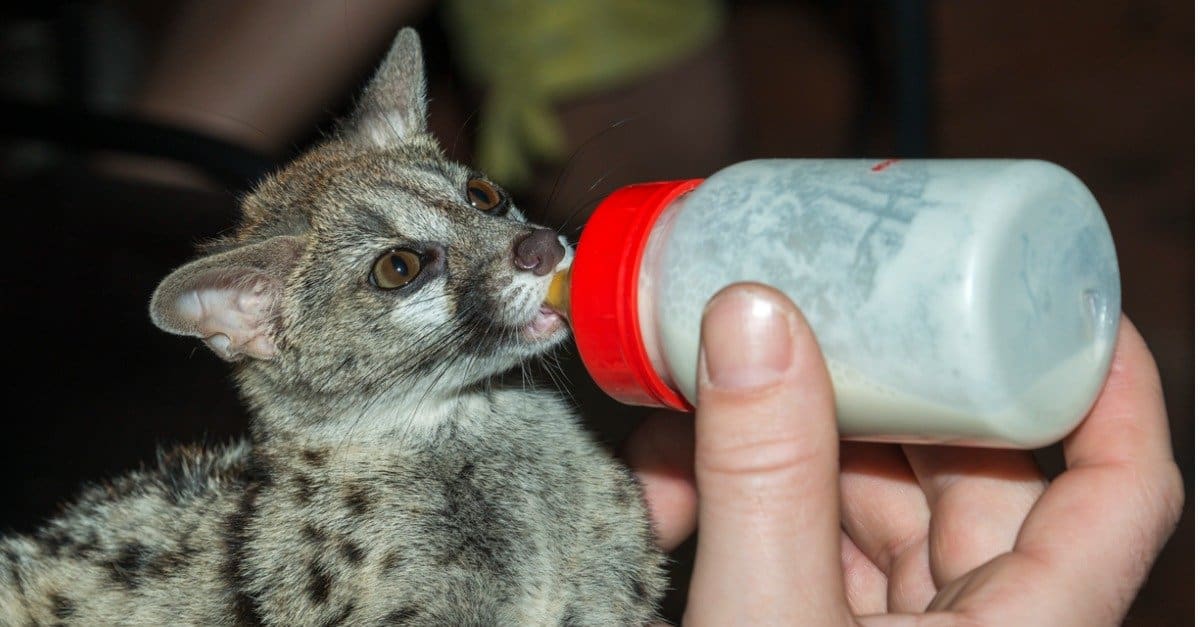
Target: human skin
<point>257,73</point>
<point>797,529</point>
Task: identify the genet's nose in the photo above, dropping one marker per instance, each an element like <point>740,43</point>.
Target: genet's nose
<point>539,252</point>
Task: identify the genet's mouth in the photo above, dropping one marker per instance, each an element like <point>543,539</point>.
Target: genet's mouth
<point>545,323</point>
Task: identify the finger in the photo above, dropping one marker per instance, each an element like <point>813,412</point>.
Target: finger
<point>766,468</point>
<point>885,513</point>
<point>1128,424</point>
<point>978,498</point>
<point>1091,538</point>
<point>866,585</point>
<point>660,452</point>
<point>1121,478</point>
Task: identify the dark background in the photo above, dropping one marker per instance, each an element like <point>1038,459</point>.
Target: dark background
<point>1103,88</point>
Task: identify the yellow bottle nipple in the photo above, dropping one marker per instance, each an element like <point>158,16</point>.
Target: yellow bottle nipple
<point>558,297</point>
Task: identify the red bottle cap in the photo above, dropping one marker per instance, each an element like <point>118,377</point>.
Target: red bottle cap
<point>604,294</point>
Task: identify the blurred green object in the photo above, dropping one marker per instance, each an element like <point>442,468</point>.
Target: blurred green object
<point>531,54</point>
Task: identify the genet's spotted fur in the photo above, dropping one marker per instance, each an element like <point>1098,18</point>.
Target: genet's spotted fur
<point>387,479</point>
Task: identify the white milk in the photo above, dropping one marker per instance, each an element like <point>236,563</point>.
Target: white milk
<point>958,301</point>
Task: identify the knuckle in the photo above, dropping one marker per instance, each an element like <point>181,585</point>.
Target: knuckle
<point>895,547</point>
<point>1173,494</point>
<point>769,455</point>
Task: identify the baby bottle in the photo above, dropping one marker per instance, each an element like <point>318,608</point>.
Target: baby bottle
<point>970,302</point>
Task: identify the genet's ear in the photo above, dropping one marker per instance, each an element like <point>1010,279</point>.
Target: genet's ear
<point>392,108</point>
<point>230,299</point>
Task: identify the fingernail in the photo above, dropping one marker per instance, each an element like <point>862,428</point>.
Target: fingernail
<point>747,340</point>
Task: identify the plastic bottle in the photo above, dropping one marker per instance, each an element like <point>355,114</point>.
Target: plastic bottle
<point>971,302</point>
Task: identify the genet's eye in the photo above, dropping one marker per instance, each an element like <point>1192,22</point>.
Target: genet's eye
<point>484,196</point>
<point>396,268</point>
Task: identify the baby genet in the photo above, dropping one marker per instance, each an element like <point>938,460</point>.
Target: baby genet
<point>369,299</point>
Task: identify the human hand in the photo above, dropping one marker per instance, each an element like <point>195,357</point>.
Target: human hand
<point>899,535</point>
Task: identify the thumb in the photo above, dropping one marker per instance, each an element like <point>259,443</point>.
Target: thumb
<point>766,468</point>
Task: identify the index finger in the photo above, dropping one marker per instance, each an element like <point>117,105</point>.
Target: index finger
<point>1128,424</point>
<point>1122,493</point>
<point>1090,540</point>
